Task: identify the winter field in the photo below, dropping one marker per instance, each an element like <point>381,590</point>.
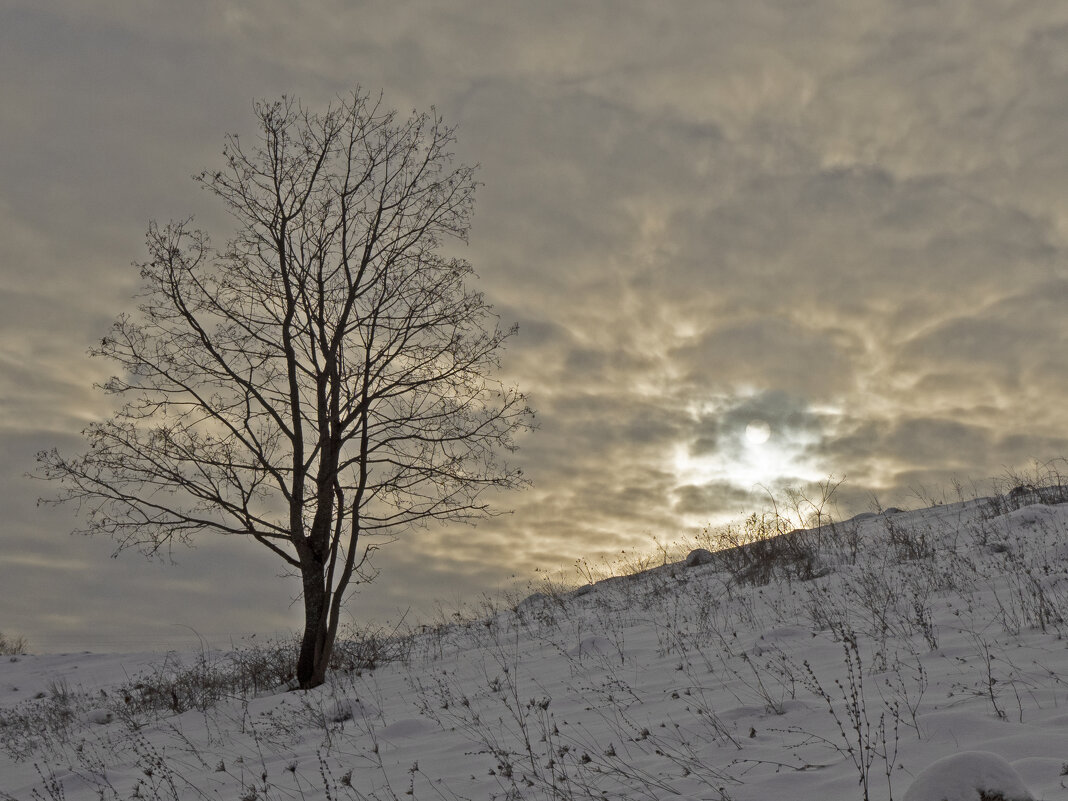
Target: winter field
<point>898,655</point>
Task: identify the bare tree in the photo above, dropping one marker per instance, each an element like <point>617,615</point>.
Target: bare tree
<point>322,382</point>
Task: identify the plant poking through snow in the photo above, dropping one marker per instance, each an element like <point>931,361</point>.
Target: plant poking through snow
<point>859,740</point>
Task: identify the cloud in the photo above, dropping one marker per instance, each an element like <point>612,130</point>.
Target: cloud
<point>749,352</point>
<point>844,219</point>
<point>716,498</point>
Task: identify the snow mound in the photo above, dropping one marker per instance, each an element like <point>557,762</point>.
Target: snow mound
<point>1033,516</point>
<point>351,709</point>
<point>969,776</point>
<point>699,556</point>
<point>100,717</point>
<point>769,640</point>
<point>404,729</point>
<point>593,645</point>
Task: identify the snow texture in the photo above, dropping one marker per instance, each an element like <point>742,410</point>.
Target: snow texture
<point>937,657</point>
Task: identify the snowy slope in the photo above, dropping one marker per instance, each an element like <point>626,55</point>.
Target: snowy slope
<point>917,655</point>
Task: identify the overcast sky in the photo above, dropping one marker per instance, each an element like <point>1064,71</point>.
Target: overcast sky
<point>840,224</point>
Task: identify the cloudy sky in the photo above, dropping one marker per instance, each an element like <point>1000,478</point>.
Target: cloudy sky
<point>842,224</point>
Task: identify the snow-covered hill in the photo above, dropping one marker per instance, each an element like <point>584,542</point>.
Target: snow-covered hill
<point>910,655</point>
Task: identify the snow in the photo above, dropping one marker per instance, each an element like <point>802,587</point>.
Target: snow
<point>99,716</point>
<point>968,777</point>
<point>922,665</point>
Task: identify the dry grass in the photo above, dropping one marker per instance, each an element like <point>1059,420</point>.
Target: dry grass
<point>13,645</point>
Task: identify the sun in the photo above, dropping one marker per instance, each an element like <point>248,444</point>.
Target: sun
<point>757,432</point>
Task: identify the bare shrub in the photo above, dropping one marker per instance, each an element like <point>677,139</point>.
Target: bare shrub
<point>908,544</point>
<point>860,740</point>
<point>175,686</point>
<point>366,649</point>
<point>1043,482</point>
<point>762,549</point>
<point>893,602</point>
<point>211,677</point>
<point>13,644</point>
<point>47,722</point>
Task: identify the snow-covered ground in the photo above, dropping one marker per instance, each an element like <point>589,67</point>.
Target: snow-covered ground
<point>910,655</point>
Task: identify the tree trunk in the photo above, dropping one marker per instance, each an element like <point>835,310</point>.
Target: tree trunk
<point>316,644</point>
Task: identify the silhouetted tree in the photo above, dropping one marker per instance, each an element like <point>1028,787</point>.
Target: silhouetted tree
<point>324,379</point>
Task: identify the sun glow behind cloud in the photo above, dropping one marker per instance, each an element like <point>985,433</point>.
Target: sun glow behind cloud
<point>751,457</point>
<point>755,464</point>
